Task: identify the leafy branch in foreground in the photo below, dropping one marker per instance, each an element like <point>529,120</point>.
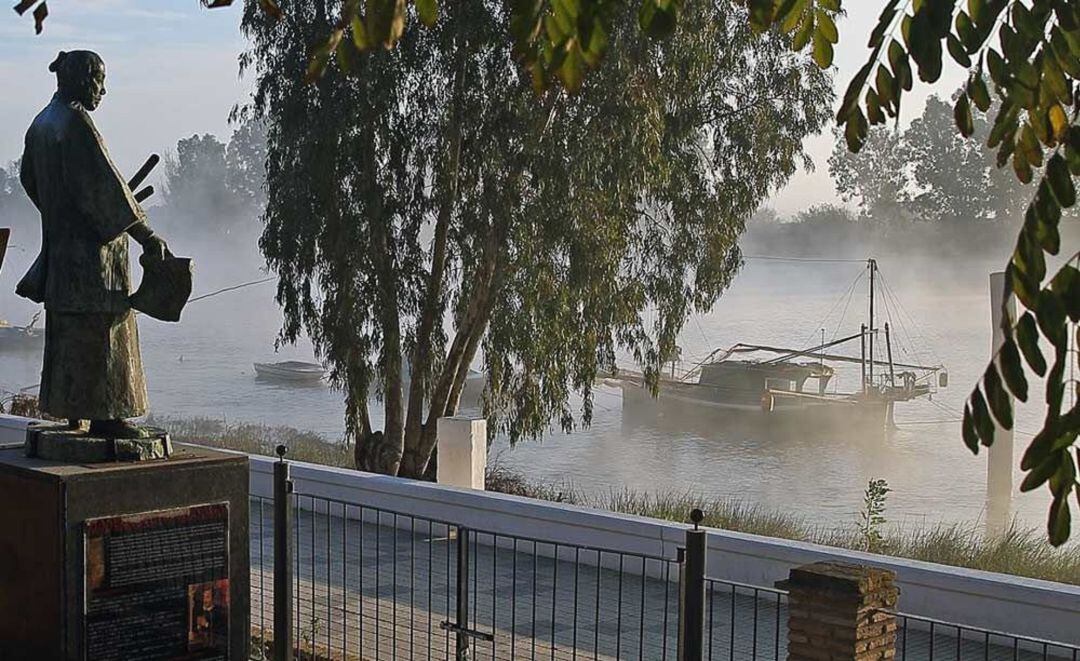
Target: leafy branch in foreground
<point>1033,70</point>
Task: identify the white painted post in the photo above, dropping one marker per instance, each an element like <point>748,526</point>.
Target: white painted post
<point>1000,457</point>
<point>462,451</point>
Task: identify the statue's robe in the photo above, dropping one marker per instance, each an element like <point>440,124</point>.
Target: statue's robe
<point>92,368</point>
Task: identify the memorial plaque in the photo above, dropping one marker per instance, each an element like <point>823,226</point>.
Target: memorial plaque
<point>157,585</point>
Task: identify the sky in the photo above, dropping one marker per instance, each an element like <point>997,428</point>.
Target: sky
<point>173,72</point>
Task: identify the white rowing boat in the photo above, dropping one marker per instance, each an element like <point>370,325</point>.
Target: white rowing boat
<point>291,370</point>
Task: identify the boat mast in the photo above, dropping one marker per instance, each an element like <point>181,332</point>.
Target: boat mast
<point>888,348</point>
<point>872,263</point>
<point>862,346</point>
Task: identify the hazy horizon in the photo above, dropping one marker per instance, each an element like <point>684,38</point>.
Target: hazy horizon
<point>173,72</point>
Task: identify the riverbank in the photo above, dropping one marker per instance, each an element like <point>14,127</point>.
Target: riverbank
<point>1019,550</point>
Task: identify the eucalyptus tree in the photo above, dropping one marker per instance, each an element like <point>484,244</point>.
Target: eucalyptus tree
<point>423,203</point>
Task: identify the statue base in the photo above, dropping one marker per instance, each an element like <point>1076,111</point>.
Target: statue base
<point>125,560</point>
<point>58,442</point>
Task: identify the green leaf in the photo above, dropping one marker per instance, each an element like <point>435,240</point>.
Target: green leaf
<point>978,11</point>
<point>1012,369</point>
<point>320,57</point>
<point>1027,338</point>
<point>1021,284</point>
<point>1061,183</point>
<point>791,12</point>
<point>962,115</point>
<point>359,34</point>
<point>1059,46</point>
<point>823,50</point>
<point>971,438</point>
<point>873,108</point>
<point>1029,145</point>
<point>1028,257</point>
<point>1041,473</point>
<point>884,21</point>
<point>1059,522</point>
<point>997,398</point>
<point>854,90</point>
<point>956,49</point>
<point>976,89</point>
<point>427,11</point>
<point>804,33</point>
<point>1072,149</point>
<point>998,68</point>
<point>980,416</point>
<point>1045,224</point>
<point>1025,22</point>
<point>886,88</point>
<point>1053,80</point>
<point>898,60</point>
<point>827,27</point>
<point>856,130</point>
<point>572,70</point>
<point>1066,284</point>
<point>965,29</point>
<point>348,58</point>
<point>1051,317</point>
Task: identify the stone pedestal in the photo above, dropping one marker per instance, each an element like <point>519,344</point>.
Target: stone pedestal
<point>124,560</point>
<point>841,612</point>
<point>462,451</point>
<point>57,442</point>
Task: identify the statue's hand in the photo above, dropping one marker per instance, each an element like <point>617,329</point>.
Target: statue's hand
<point>155,247</point>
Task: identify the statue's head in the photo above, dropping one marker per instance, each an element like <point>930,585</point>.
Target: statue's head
<point>80,76</point>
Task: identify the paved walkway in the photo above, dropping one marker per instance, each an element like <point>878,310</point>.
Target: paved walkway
<point>385,592</point>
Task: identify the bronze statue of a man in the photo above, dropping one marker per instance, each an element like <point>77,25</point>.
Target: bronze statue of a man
<point>92,369</point>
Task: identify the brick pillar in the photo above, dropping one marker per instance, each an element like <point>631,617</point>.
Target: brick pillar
<point>840,612</point>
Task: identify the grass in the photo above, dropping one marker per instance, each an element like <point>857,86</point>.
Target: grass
<point>1019,551</point>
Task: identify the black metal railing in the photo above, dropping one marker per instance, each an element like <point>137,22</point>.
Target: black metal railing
<point>936,640</point>
<point>338,579</point>
<point>744,622</point>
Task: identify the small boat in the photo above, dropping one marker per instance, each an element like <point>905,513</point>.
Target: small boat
<point>21,338</point>
<point>292,371</point>
<point>791,386</point>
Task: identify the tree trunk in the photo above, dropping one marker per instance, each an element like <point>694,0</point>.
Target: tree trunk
<point>385,454</point>
<point>422,356</point>
<point>471,329</point>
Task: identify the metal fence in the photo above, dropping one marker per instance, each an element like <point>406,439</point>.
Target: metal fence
<point>925,638</point>
<point>352,581</point>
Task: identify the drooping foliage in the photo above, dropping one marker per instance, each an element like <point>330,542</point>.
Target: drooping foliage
<point>424,208</point>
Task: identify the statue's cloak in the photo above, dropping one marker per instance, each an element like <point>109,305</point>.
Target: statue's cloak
<point>92,368</point>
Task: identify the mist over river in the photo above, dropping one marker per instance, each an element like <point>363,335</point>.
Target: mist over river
<point>203,367</point>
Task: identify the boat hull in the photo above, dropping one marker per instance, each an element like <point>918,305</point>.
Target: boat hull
<point>793,412</point>
<point>290,373</point>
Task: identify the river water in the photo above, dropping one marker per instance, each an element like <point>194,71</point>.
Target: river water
<point>203,367</point>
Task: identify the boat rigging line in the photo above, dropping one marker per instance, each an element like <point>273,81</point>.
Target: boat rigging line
<point>232,288</point>
<point>779,258</point>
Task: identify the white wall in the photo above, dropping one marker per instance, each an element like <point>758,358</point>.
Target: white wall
<point>1029,607</point>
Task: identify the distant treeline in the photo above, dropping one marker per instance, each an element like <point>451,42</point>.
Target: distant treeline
<point>922,190</point>
<point>211,190</point>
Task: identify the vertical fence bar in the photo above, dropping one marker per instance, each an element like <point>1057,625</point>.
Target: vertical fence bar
<point>462,594</point>
<point>283,555</point>
<point>692,594</point>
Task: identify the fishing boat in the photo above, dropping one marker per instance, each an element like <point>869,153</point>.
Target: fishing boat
<point>291,371</point>
<point>792,386</point>
<point>21,338</point>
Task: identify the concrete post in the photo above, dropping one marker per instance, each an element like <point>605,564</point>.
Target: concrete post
<point>840,612</point>
<point>462,451</point>
<point>1000,456</point>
